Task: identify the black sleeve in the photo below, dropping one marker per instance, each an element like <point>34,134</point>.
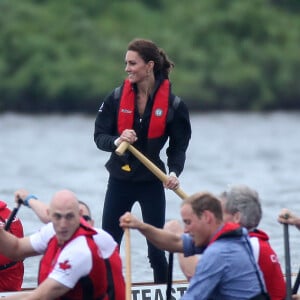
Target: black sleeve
<point>179,136</point>
<point>105,132</point>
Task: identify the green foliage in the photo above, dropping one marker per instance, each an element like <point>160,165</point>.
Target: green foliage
<point>67,55</point>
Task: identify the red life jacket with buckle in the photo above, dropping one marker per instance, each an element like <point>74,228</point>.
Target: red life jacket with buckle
<point>92,286</point>
<point>228,230</point>
<point>158,114</point>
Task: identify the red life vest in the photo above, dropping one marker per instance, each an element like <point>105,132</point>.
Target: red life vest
<point>11,272</point>
<point>95,283</point>
<point>269,265</point>
<point>228,229</point>
<point>158,114</point>
<point>16,227</point>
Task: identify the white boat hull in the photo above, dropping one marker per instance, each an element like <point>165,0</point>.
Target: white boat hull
<point>149,291</point>
<point>142,291</point>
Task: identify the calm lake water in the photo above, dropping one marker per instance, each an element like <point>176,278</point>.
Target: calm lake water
<point>46,153</point>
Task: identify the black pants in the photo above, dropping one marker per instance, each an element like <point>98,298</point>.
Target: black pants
<point>120,198</point>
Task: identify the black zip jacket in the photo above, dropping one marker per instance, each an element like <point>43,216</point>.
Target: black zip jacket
<point>178,131</point>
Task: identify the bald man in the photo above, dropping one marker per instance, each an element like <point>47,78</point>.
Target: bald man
<point>40,208</point>
<point>79,262</point>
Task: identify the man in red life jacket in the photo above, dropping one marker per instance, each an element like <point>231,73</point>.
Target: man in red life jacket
<point>11,272</point>
<point>227,269</point>
<point>241,205</point>
<point>79,262</point>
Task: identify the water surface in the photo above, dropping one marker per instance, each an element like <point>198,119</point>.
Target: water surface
<point>46,153</point>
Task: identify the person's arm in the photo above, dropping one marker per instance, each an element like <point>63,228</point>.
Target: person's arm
<point>287,217</point>
<point>105,133</point>
<point>15,248</point>
<point>18,295</point>
<point>179,137</point>
<point>172,182</point>
<point>187,264</point>
<point>162,239</point>
<point>40,208</point>
<point>49,289</point>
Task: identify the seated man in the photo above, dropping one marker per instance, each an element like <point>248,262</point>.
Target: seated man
<point>241,205</point>
<point>11,272</point>
<point>227,269</point>
<point>78,263</point>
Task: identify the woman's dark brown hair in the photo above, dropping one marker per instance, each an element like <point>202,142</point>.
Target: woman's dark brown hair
<point>150,52</point>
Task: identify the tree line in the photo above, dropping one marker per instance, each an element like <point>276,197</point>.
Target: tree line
<point>66,56</point>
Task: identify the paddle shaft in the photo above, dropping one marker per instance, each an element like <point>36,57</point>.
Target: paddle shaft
<point>296,284</point>
<point>148,164</point>
<point>12,216</point>
<point>287,261</point>
<point>170,277</point>
<point>163,177</point>
<point>128,264</point>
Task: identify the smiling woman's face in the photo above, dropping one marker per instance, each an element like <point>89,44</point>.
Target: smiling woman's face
<point>136,68</point>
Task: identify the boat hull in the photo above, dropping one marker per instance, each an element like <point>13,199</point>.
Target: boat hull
<point>143,291</point>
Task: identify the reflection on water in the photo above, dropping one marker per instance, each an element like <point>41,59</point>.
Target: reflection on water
<point>47,153</point>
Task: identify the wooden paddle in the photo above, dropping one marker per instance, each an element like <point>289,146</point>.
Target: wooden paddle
<point>128,264</point>
<point>163,177</point>
<point>148,164</point>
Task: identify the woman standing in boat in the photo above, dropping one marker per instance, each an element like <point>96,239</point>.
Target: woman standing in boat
<point>143,112</point>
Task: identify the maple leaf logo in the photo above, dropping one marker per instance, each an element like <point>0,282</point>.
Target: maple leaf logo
<point>65,265</point>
